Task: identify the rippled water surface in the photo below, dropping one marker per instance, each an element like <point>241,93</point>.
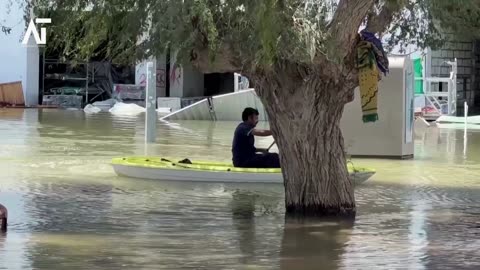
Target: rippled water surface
<point>68,210</point>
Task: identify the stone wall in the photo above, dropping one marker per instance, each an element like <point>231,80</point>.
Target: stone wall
<point>464,52</point>
<point>476,81</point>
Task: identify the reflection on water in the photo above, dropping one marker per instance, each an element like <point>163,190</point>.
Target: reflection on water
<point>314,244</point>
<point>68,210</point>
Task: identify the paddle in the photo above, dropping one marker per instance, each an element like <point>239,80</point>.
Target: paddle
<point>268,149</point>
<point>176,163</point>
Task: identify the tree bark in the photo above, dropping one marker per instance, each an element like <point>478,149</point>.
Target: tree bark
<point>345,23</point>
<point>304,116</point>
<point>3,218</point>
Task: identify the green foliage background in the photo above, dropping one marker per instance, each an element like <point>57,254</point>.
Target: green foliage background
<point>257,33</point>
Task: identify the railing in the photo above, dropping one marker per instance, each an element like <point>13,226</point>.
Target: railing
<point>433,97</point>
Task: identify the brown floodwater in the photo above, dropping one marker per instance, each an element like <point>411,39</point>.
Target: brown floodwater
<point>68,209</point>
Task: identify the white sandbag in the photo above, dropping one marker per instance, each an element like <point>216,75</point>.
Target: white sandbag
<point>110,102</point>
<point>121,108</point>
<point>421,125</point>
<point>91,109</point>
<point>105,105</point>
<point>164,110</point>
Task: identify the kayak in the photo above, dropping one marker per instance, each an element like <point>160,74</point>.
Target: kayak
<point>167,169</point>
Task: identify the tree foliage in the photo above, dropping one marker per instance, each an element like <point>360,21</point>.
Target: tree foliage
<point>426,23</point>
<point>243,34</point>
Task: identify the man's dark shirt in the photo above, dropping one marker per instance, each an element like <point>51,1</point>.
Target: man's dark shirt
<point>243,146</point>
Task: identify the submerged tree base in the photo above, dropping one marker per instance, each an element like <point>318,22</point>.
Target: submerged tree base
<point>347,211</point>
<point>306,125</point>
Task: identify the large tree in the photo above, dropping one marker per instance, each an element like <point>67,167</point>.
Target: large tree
<point>299,54</point>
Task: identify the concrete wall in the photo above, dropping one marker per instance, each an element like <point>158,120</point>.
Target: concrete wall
<point>176,77</point>
<point>18,62</point>
<point>193,82</point>
<point>386,137</point>
<point>227,107</point>
<point>141,75</point>
<point>185,80</point>
<point>161,66</point>
<point>390,136</point>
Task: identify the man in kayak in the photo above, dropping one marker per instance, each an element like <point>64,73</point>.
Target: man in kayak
<point>245,154</point>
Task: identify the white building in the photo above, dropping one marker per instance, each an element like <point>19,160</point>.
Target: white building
<point>18,62</point>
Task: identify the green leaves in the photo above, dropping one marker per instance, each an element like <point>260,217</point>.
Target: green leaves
<point>268,30</point>
<point>204,25</point>
<point>258,34</point>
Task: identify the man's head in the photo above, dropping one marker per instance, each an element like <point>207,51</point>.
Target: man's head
<point>250,116</point>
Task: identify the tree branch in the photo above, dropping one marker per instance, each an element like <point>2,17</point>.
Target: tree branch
<point>380,23</point>
<point>346,22</point>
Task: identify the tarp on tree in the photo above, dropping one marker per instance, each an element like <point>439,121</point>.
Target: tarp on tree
<point>418,69</point>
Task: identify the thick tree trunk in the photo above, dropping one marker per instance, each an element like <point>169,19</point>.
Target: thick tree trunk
<point>304,118</point>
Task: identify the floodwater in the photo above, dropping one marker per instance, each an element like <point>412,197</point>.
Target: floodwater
<point>68,210</point>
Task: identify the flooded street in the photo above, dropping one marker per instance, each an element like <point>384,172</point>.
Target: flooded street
<point>68,209</point>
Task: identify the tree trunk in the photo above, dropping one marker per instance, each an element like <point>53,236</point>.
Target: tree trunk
<point>304,117</point>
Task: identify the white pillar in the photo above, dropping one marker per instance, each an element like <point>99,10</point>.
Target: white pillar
<point>31,88</point>
<point>150,104</point>
<point>236,76</point>
<point>427,70</point>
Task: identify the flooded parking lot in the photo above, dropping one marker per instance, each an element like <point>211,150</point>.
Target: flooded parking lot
<point>68,209</point>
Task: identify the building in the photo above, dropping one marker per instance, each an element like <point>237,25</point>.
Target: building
<point>18,62</point>
<point>467,53</point>
<point>184,84</point>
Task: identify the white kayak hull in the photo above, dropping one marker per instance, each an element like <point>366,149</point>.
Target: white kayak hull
<point>213,176</point>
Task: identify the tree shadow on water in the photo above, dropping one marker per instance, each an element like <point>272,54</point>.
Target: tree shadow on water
<point>3,237</point>
<point>243,218</point>
<point>314,243</point>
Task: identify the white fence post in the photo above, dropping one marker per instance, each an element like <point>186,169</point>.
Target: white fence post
<point>150,104</point>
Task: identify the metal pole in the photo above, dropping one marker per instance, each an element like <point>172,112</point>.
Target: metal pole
<point>86,86</point>
<point>465,131</point>
<point>455,71</point>
<point>450,97</point>
<point>150,104</point>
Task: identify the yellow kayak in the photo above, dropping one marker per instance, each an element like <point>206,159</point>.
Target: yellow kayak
<point>169,169</point>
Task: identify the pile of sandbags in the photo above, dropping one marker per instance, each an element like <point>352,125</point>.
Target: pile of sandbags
<point>121,108</point>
